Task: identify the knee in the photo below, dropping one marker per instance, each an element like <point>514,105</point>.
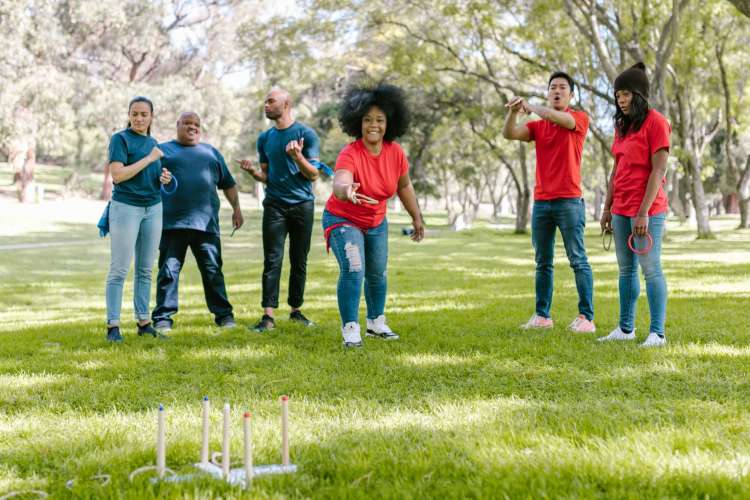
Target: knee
<point>117,275</point>
<point>652,270</point>
<point>352,261</point>
<point>579,263</point>
<point>544,264</point>
<point>272,260</point>
<point>375,277</point>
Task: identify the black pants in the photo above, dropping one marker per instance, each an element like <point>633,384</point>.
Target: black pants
<point>206,248</point>
<point>280,219</point>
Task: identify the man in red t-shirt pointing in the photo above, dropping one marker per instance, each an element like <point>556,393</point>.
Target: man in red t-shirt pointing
<point>559,136</point>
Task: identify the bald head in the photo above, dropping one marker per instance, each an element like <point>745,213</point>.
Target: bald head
<point>189,114</point>
<point>189,128</point>
<point>278,104</point>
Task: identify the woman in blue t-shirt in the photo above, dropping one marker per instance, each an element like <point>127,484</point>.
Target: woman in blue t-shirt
<point>135,215</point>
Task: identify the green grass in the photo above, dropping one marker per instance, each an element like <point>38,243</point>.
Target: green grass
<point>465,405</point>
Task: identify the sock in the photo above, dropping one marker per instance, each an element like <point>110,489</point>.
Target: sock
<point>628,332</point>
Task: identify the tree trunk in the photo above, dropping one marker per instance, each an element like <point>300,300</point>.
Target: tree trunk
<point>106,192</point>
<point>523,194</point>
<point>744,209</point>
<point>23,158</point>
<point>698,196</point>
<point>743,191</point>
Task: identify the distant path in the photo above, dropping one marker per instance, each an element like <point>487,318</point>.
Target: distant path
<point>30,246</point>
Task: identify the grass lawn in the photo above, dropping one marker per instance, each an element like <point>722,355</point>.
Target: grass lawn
<point>464,405</point>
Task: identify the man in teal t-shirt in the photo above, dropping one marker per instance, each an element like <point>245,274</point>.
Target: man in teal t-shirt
<point>288,153</point>
<point>191,220</point>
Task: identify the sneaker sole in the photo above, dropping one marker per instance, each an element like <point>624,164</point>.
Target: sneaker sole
<point>352,345</point>
<point>370,333</point>
<point>605,339</point>
<point>298,322</point>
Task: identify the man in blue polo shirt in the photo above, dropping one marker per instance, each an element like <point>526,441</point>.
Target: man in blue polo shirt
<point>191,219</point>
<point>288,153</point>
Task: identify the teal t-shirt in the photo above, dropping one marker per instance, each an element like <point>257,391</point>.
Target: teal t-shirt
<point>199,170</point>
<point>141,190</point>
<point>285,182</point>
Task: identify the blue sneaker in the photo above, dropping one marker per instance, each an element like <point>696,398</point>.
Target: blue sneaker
<point>113,334</point>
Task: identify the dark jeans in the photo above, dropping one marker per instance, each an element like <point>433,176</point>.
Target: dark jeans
<point>206,248</point>
<point>568,214</point>
<point>280,219</point>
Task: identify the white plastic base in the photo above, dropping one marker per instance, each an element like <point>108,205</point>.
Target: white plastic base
<point>236,476</point>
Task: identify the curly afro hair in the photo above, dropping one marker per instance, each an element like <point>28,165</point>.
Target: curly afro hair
<point>358,100</point>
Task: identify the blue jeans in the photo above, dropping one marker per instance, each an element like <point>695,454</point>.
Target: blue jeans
<point>569,214</point>
<point>133,231</point>
<point>361,257</point>
<point>627,261</point>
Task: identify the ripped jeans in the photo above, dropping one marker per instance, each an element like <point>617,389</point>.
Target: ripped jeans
<point>361,256</point>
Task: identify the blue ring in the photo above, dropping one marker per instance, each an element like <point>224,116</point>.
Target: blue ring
<point>176,185</point>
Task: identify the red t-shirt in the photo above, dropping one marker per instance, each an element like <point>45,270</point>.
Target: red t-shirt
<point>378,177</point>
<point>558,157</point>
<point>633,163</point>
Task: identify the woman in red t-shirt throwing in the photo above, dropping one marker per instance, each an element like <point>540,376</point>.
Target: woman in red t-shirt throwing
<point>636,205</point>
<point>369,171</point>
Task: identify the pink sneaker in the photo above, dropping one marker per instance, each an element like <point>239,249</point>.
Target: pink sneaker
<point>582,325</point>
<point>537,321</point>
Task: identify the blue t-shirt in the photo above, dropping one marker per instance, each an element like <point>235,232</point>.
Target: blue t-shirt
<point>199,170</point>
<point>285,182</point>
<point>141,190</point>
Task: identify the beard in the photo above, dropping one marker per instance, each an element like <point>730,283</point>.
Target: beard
<point>273,115</point>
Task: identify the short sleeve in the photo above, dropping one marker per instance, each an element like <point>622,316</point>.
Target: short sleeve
<point>345,160</point>
<point>533,126</point>
<point>118,149</point>
<point>226,180</point>
<point>262,156</point>
<point>403,162</point>
<point>582,122</point>
<point>658,134</point>
<point>312,144</point>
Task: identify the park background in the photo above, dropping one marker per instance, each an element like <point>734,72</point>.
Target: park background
<point>465,405</point>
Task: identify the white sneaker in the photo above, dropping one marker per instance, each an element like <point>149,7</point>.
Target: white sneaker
<point>582,325</point>
<point>617,334</point>
<point>377,328</point>
<point>653,340</point>
<point>537,321</point>
<point>351,335</point>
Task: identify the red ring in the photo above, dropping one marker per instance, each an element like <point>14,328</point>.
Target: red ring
<point>644,250</point>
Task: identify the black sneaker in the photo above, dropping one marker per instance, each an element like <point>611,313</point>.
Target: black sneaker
<point>265,324</point>
<point>298,317</point>
<point>147,329</point>
<point>113,334</point>
<point>227,322</point>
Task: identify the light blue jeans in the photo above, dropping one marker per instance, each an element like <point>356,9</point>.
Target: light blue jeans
<point>133,231</point>
<point>627,261</point>
<point>361,257</point>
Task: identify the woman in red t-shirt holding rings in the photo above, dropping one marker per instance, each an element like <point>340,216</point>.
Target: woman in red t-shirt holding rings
<point>369,171</point>
<point>636,205</point>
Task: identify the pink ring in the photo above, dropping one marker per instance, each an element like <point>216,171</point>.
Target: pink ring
<point>644,250</point>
